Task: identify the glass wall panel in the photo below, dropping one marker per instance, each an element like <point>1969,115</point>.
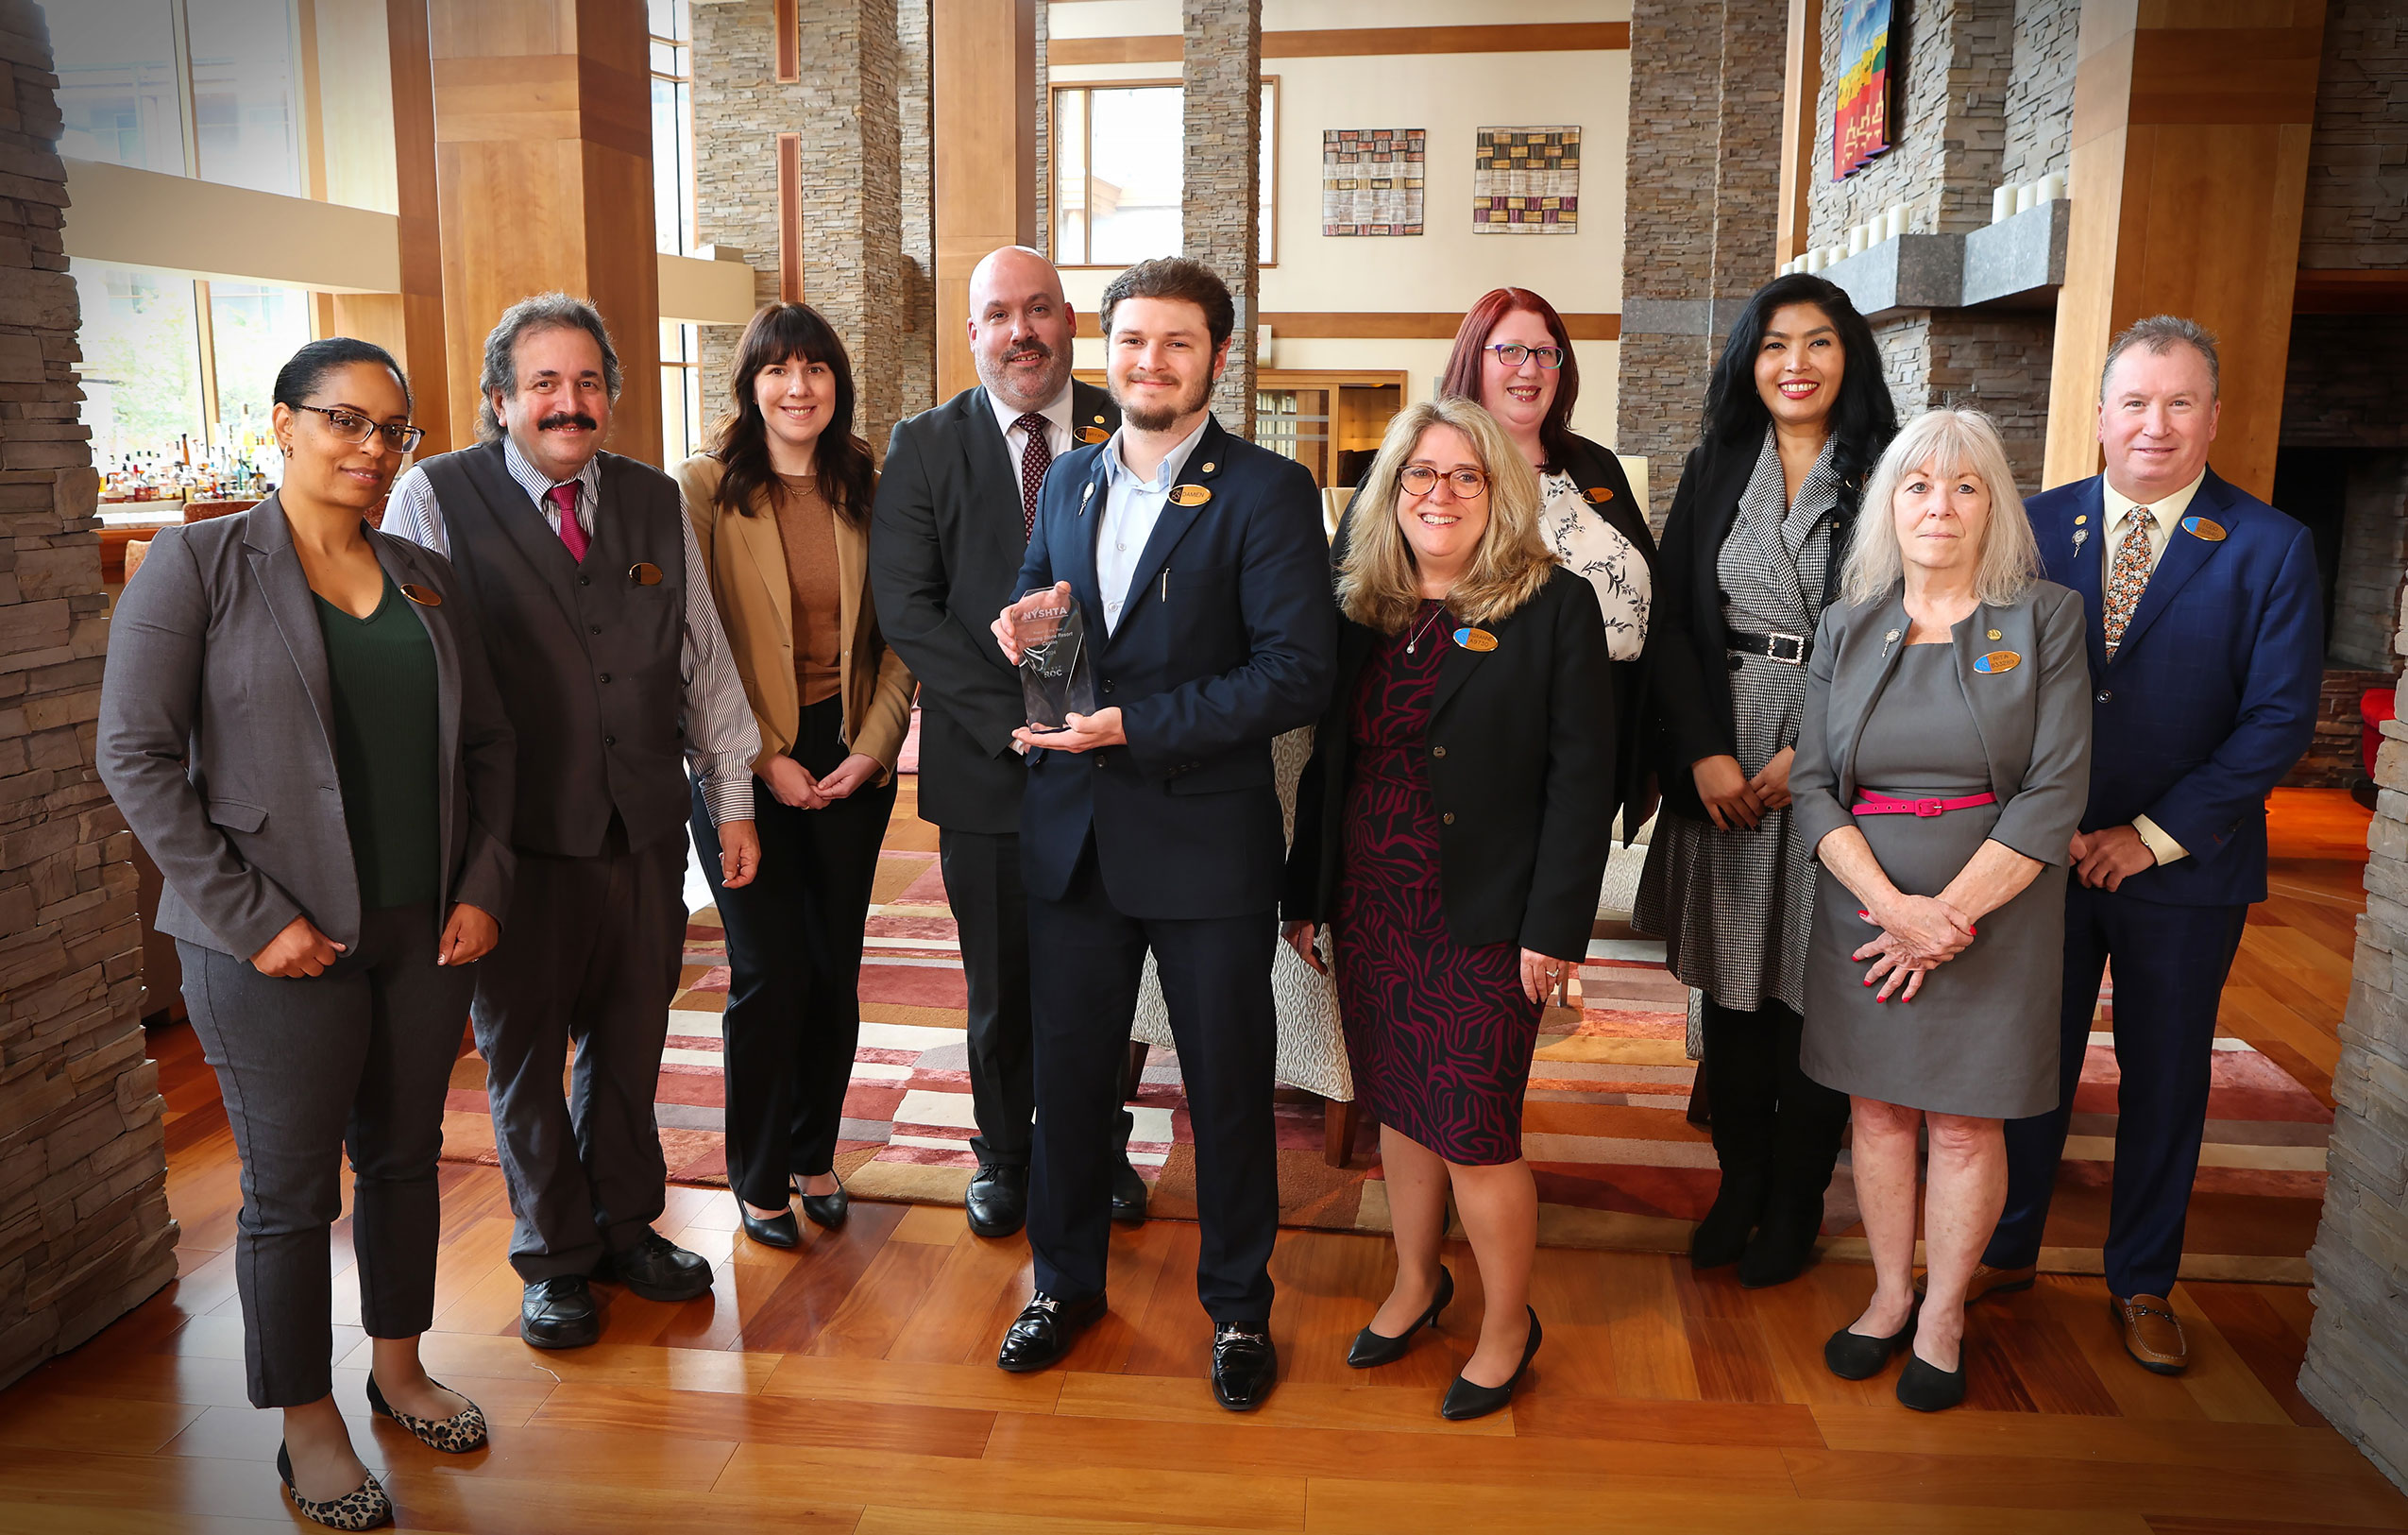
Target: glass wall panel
<point>245,96</point>
<point>1134,140</point>
<point>141,373</point>
<point>1069,150</point>
<point>684,427</point>
<point>672,69</point>
<point>117,84</point>
<point>255,328</point>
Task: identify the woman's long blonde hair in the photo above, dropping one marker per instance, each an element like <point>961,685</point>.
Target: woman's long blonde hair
<point>1380,583</point>
<point>1950,442</point>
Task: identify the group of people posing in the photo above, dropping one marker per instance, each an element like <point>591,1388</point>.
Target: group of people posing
<point>1928,755</point>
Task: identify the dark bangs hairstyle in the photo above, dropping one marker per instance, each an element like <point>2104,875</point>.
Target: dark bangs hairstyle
<point>783,333</point>
<point>1471,343</point>
<point>1864,419</point>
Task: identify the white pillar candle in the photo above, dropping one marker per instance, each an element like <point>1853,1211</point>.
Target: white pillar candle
<point>1856,239</point>
<point>2002,204</point>
<point>1897,220</point>
<point>2053,187</point>
<point>2023,195</point>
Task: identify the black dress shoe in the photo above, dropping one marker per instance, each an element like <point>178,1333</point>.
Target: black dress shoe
<point>827,1211</point>
<point>1853,1356</point>
<point>777,1231</point>
<point>1045,1330</point>
<point>998,1199</point>
<point>1927,1388</point>
<point>1723,1235</point>
<point>1372,1348</point>
<point>1128,1194</point>
<point>558,1313</point>
<point>1244,1366</point>
<point>1463,1400</point>
<point>1783,1247</point>
<point>658,1270</point>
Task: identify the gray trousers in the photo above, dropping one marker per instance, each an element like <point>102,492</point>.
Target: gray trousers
<point>591,954</point>
<point>355,1059</point>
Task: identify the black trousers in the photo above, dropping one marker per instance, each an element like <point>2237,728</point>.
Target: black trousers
<point>590,952</point>
<point>991,909</point>
<point>1777,1130</point>
<point>355,1059</point>
<point>794,968</point>
<point>1087,959</point>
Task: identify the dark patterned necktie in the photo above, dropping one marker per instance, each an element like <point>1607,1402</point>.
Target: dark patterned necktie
<point>2126,578</point>
<point>1034,460</point>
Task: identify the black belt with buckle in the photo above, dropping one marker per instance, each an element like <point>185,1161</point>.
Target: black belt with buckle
<point>1789,649</point>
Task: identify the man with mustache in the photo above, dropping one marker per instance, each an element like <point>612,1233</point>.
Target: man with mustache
<point>955,508</point>
<point>611,660</point>
<point>1153,823</point>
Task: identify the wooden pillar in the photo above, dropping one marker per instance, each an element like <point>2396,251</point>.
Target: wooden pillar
<point>983,63</point>
<point>1802,91</point>
<point>2188,171</point>
<point>543,142</point>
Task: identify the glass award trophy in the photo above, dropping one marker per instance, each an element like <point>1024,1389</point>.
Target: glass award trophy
<point>1055,677</point>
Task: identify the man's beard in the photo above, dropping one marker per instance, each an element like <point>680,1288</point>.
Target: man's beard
<point>1159,418</point>
<point>1055,373</point>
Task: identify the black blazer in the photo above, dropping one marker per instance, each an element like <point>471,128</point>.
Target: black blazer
<point>945,547</point>
<point>1227,639</point>
<point>1518,747</point>
<point>1689,657</point>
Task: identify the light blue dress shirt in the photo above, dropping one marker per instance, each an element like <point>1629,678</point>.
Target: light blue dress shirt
<point>1131,507</point>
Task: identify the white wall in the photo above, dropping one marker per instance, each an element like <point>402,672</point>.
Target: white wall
<point>1450,96</point>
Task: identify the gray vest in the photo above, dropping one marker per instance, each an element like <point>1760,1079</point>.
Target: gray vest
<point>586,655</point>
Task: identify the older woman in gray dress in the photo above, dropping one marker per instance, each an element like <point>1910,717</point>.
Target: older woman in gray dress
<point>1942,766</point>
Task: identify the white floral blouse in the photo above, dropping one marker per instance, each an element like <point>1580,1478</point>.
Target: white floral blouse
<point>1584,541</point>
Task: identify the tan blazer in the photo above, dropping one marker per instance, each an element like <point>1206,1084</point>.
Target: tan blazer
<point>747,564</point>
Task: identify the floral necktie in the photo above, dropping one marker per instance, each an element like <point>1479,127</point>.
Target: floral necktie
<point>2128,577</point>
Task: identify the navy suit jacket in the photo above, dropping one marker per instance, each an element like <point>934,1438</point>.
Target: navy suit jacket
<point>2211,696</point>
<point>1226,638</point>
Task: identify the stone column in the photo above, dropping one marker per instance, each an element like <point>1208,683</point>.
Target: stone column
<point>845,113</point>
<point>85,1234</point>
<point>916,349</point>
<point>1220,194</point>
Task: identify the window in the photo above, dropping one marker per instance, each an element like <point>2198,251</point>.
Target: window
<point>672,65</point>
<point>245,96</point>
<point>253,328</point>
<point>119,85</point>
<point>201,88</point>
<point>1117,173</point>
<point>683,429</point>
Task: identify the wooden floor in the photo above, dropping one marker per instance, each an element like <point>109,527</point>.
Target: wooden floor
<point>849,1387</point>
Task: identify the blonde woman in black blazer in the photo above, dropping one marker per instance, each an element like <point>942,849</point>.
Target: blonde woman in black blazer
<point>1451,829</point>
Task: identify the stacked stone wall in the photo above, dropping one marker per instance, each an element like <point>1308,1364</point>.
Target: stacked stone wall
<point>2356,212</point>
<point>1222,172</point>
<point>916,349</point>
<point>2040,90</point>
<point>1948,122</point>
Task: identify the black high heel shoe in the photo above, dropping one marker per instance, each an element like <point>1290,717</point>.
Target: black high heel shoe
<point>1465,1401</point>
<point>777,1231</point>
<point>824,1210</point>
<point>1372,1348</point>
<point>363,1508</point>
<point>1853,1356</point>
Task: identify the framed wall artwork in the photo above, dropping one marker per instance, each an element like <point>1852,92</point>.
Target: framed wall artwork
<point>1860,122</point>
<point>1526,181</point>
<point>1371,180</point>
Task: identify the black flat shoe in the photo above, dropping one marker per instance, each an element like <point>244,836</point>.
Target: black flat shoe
<point>1465,1401</point>
<point>463,1431</point>
<point>658,1270</point>
<point>997,1200</point>
<point>1244,1366</point>
<point>1723,1235</point>
<point>558,1313</point>
<point>363,1508</point>
<point>1372,1348</point>
<point>1128,1194</point>
<point>827,1211</point>
<point>1045,1330</point>
<point>1853,1356</point>
<point>777,1231</point>
<point>1927,1388</point>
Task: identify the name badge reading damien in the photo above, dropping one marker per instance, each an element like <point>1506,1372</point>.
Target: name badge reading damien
<point>644,573</point>
<point>1190,495</point>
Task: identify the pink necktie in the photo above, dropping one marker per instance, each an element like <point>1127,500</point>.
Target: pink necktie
<point>573,532</point>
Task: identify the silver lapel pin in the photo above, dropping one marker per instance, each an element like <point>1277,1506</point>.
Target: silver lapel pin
<point>1887,641</point>
<point>2080,535</point>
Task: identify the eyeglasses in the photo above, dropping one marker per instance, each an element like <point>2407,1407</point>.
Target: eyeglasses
<point>1513,354</point>
<point>354,428</point>
<point>1420,479</point>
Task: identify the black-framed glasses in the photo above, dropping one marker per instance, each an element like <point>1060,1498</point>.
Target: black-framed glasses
<point>1420,479</point>
<point>1513,354</point>
<point>354,428</point>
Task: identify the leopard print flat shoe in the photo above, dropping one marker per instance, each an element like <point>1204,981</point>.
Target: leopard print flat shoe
<point>465,1430</point>
<point>365,1508</point>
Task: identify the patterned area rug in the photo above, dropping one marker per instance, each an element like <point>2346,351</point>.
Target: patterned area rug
<point>1606,1127</point>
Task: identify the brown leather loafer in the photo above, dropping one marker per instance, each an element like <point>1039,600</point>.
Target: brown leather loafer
<point>2152,1336</point>
<point>1986,1281</point>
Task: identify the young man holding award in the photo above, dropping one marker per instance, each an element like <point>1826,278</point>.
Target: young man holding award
<point>1196,568</point>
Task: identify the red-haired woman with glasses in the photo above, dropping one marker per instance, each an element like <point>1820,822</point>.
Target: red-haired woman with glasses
<point>1514,357</point>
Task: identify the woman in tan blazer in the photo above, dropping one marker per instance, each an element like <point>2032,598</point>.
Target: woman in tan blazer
<point>781,509</point>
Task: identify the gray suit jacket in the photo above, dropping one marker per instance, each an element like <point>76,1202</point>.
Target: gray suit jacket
<point>215,737</point>
<point>2033,714</point>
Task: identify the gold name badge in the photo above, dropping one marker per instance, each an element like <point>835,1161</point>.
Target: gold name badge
<point>2204,527</point>
<point>1095,434</point>
<point>423,596</point>
<point>644,573</point>
<point>1998,660</point>
<point>1190,495</point>
<point>1600,495</point>
<point>1475,640</point>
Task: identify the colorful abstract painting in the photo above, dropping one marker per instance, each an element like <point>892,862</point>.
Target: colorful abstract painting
<point>1526,181</point>
<point>1371,180</point>
<point>1860,124</point>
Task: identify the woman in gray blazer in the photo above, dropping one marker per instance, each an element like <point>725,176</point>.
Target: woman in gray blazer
<point>299,724</point>
<point>1944,762</point>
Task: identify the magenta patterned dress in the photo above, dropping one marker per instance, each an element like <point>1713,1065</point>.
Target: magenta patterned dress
<point>1440,1035</point>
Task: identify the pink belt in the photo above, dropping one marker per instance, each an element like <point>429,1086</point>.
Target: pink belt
<point>1871,803</point>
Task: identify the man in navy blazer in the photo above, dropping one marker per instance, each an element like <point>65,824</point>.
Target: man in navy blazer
<point>1198,562</point>
<point>2207,654</point>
